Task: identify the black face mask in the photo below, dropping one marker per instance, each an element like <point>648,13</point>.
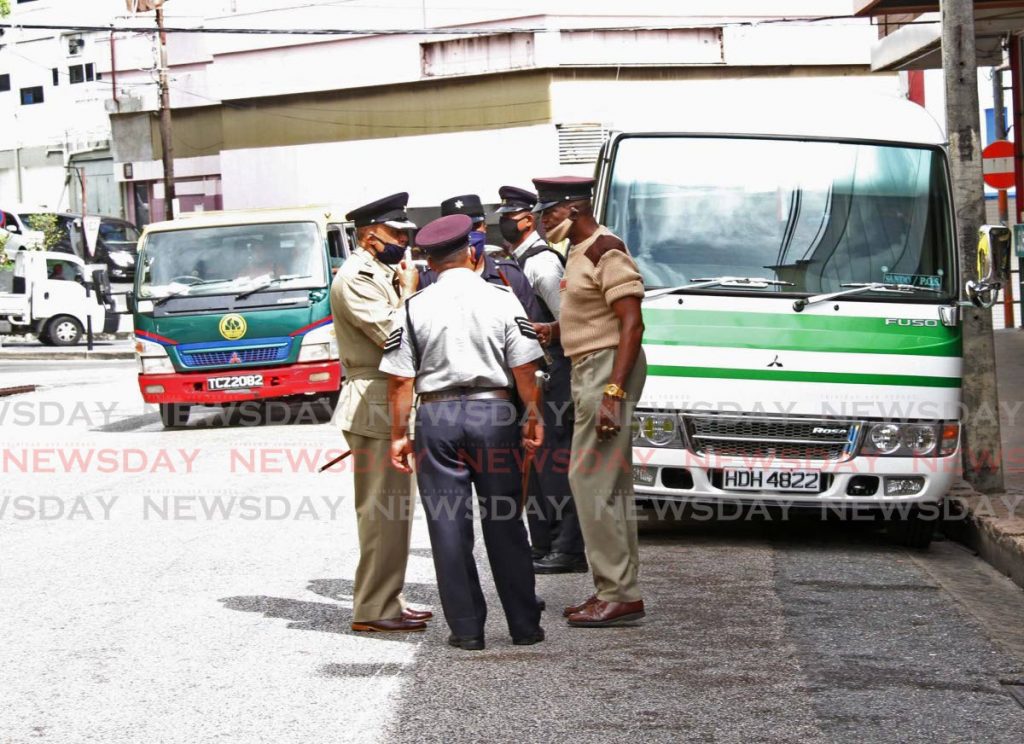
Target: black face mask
<point>509,227</point>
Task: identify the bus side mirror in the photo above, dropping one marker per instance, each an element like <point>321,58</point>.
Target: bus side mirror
<point>993,258</point>
<point>129,300</point>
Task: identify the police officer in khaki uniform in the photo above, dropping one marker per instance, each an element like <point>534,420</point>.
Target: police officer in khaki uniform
<point>367,296</point>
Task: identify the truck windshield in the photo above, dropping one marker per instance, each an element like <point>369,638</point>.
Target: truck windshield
<point>816,214</point>
<point>232,259</point>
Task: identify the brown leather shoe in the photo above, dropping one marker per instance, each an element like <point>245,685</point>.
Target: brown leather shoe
<point>580,607</point>
<point>394,625</point>
<point>601,614</point>
<point>416,615</point>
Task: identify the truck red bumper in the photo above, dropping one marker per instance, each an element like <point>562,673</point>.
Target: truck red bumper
<point>278,382</point>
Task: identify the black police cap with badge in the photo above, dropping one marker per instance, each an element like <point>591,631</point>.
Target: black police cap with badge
<point>467,204</point>
<point>553,191</point>
<point>515,199</point>
<point>388,211</point>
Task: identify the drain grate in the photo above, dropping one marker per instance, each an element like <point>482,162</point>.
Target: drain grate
<point>17,390</point>
<point>1016,690</point>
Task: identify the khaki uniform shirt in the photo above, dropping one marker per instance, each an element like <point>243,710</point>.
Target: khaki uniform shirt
<point>366,308</point>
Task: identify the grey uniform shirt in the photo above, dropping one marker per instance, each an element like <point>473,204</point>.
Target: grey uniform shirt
<point>468,333</point>
<point>545,272</point>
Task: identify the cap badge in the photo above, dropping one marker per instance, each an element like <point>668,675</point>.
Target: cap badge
<point>459,204</point>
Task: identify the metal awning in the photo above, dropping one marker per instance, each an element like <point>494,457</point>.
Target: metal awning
<point>895,7</point>
<point>918,45</point>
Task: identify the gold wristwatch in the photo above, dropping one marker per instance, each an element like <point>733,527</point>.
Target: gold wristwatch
<point>614,391</point>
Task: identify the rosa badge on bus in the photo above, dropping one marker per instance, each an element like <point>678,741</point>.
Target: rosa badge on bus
<point>232,327</point>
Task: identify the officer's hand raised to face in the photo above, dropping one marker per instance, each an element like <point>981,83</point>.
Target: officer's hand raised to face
<point>408,277</point>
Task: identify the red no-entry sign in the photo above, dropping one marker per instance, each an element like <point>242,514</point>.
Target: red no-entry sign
<point>997,164</point>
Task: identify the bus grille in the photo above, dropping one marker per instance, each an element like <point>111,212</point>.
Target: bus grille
<point>228,357</point>
<point>765,437</point>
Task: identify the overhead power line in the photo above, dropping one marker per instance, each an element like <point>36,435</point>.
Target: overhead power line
<point>447,31</point>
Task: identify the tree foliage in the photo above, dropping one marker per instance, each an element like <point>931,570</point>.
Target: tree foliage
<point>49,226</point>
<point>5,8</point>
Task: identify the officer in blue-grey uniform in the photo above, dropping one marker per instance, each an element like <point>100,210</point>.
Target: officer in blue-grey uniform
<point>464,344</point>
<point>554,525</point>
<point>491,269</point>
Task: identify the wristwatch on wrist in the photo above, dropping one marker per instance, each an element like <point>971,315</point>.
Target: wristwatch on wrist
<point>614,391</point>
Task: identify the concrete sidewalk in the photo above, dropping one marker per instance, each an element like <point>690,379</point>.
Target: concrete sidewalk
<point>993,524</point>
<point>20,348</point>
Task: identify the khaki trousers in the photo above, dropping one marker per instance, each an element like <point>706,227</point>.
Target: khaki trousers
<point>383,498</point>
<point>601,476</point>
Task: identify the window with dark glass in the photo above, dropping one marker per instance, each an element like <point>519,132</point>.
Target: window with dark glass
<point>77,74</point>
<point>30,96</point>
<point>56,77</point>
<point>5,83</point>
<point>90,72</point>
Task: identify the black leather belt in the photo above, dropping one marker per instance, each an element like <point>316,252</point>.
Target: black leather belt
<point>466,393</point>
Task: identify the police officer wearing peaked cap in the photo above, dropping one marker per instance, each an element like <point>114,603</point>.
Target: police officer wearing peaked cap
<point>554,524</point>
<point>485,263</point>
<point>367,295</point>
<point>463,344</point>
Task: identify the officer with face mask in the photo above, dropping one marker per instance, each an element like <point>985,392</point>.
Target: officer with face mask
<point>554,525</point>
<point>502,272</point>
<point>367,297</point>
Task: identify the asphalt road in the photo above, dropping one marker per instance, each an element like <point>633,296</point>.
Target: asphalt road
<point>195,585</point>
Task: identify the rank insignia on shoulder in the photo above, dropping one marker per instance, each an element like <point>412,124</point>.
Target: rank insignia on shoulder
<point>526,328</point>
<point>394,340</point>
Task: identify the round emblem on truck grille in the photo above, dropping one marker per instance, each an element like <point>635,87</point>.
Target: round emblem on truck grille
<point>232,327</point>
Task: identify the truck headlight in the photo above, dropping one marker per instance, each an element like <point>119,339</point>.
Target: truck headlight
<point>656,430</point>
<point>152,358</point>
<point>319,345</point>
<point>910,440</point>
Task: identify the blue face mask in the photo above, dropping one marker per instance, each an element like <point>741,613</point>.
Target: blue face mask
<point>390,254</point>
<point>477,240</point>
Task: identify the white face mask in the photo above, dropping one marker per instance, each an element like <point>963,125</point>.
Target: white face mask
<point>560,232</point>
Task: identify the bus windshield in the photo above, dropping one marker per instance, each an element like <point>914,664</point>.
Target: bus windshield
<point>236,258</point>
<point>811,216</point>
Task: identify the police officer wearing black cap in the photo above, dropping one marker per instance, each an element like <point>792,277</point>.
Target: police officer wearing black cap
<point>464,344</point>
<point>492,270</point>
<point>367,295</point>
<point>554,525</point>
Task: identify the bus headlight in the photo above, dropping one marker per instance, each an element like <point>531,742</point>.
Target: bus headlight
<point>911,440</point>
<point>152,358</point>
<point>656,430</point>
<point>319,345</point>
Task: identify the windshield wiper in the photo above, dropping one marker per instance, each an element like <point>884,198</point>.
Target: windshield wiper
<point>186,290</point>
<point>745,282</point>
<point>271,283</point>
<point>861,288</point>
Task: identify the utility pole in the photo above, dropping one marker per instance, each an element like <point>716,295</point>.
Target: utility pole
<point>166,141</point>
<point>999,125</point>
<point>982,459</point>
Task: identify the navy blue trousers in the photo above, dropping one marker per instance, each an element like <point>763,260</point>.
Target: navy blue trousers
<point>462,444</point>
<point>551,513</point>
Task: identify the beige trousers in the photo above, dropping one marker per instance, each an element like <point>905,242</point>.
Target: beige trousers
<point>601,476</point>
<point>384,507</point>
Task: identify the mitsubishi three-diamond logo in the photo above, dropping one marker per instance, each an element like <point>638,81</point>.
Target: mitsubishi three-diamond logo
<point>775,362</point>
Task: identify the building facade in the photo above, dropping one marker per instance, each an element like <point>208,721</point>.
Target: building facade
<point>268,120</point>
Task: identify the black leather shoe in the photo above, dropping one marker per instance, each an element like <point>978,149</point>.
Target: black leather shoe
<point>530,639</point>
<point>555,563</point>
<point>466,644</point>
<point>541,604</point>
<point>538,553</point>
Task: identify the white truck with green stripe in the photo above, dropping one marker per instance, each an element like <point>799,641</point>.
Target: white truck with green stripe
<point>802,317</point>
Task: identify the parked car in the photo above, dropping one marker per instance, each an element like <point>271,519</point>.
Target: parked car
<point>116,246</point>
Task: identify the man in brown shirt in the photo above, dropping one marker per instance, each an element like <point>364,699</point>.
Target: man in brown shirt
<point>601,329</point>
